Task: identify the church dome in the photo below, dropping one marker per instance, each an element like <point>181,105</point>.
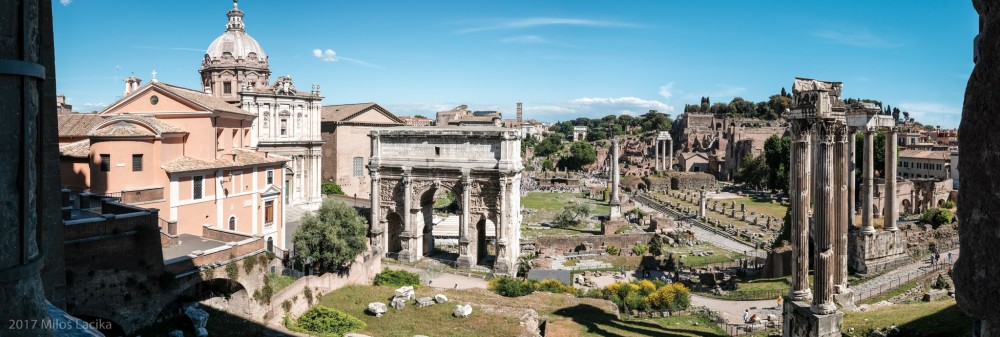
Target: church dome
<point>235,40</point>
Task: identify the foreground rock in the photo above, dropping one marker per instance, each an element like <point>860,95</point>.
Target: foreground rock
<point>377,308</point>
<point>199,318</point>
<point>462,310</point>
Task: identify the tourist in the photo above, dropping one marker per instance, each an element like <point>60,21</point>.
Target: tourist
<point>949,257</point>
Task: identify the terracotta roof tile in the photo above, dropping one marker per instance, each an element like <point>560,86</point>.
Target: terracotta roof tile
<point>121,128</point>
<point>925,154</point>
<point>203,99</point>
<point>243,158</point>
<point>78,125</point>
<point>80,149</point>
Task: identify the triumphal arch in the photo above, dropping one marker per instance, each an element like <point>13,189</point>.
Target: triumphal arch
<point>480,166</point>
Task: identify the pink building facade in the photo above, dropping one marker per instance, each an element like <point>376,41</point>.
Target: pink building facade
<point>184,152</point>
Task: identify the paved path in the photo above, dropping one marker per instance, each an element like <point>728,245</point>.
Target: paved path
<point>899,276</point>
<point>442,280</point>
<point>734,309</point>
<point>705,235</point>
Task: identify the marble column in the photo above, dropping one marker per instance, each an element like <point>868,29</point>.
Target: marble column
<point>656,160</point>
<point>616,208</point>
<point>890,206</point>
<point>799,193</point>
<point>841,206</point>
<point>824,220</point>
<point>852,167</point>
<point>408,253</point>
<point>670,155</point>
<point>376,230</point>
<point>465,260</point>
<point>868,184</point>
<point>503,264</point>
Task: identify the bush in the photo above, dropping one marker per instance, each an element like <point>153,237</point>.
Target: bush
<point>640,250</point>
<point>936,217</point>
<point>396,278</point>
<point>331,188</point>
<point>554,286</point>
<point>941,283</point>
<point>510,287</point>
<point>326,322</point>
<point>646,295</point>
<point>612,250</point>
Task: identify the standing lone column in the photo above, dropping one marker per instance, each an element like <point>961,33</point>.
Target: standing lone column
<point>852,167</point>
<point>868,186</point>
<point>670,154</point>
<point>824,221</point>
<point>799,193</point>
<point>890,207</point>
<point>656,155</point>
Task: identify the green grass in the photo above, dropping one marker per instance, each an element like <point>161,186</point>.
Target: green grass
<point>724,219</point>
<point>545,205</point>
<point>761,206</point>
<point>593,321</point>
<point>924,319</point>
<point>434,320</point>
<point>760,289</point>
<point>279,281</point>
<point>719,255</point>
<point>893,292</point>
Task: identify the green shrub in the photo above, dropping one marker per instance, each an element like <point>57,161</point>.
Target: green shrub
<point>331,188</point>
<point>326,322</point>
<point>248,264</point>
<point>646,295</point>
<point>948,204</point>
<point>936,217</point>
<point>554,286</point>
<point>640,250</point>
<point>612,250</point>
<point>510,287</point>
<point>941,283</point>
<point>232,271</point>
<point>396,278</point>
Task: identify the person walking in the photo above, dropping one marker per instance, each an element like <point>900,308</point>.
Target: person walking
<point>949,257</point>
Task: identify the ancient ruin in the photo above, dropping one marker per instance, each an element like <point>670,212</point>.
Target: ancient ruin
<point>664,151</point>
<point>480,166</point>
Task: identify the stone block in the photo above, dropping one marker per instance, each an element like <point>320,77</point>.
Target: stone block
<point>800,321</point>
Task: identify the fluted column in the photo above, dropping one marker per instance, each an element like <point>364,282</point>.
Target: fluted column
<point>465,260</point>
<point>891,211</point>
<point>799,193</point>
<point>824,220</point>
<point>656,156</point>
<point>868,184</point>
<point>670,154</point>
<point>841,199</point>
<point>852,167</point>
<point>375,232</point>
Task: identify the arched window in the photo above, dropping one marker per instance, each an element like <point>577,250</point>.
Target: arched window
<point>232,223</point>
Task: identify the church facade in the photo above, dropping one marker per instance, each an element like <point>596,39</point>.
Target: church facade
<point>235,69</point>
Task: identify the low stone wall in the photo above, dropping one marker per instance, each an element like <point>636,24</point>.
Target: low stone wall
<point>871,251</point>
<point>778,263</point>
<point>222,235</point>
<point>220,254</point>
<point>560,244</point>
<point>691,180</point>
<point>361,272</point>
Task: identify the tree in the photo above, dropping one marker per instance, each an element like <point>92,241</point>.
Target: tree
<point>331,188</point>
<point>777,156</point>
<point>550,145</point>
<point>783,92</point>
<point>779,103</point>
<point>420,116</point>
<point>548,165</point>
<point>752,171</point>
<point>572,215</point>
<point>906,115</point>
<point>936,217</point>
<point>331,238</point>
<point>895,113</point>
<point>581,154</point>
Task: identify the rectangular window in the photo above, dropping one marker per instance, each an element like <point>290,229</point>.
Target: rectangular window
<point>196,184</point>
<point>270,177</point>
<point>227,87</point>
<point>268,211</point>
<point>105,163</point>
<point>136,162</point>
<point>284,127</point>
<point>358,166</point>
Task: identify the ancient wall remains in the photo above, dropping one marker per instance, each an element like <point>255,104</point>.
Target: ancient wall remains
<point>691,180</point>
<point>873,251</point>
<point>560,244</point>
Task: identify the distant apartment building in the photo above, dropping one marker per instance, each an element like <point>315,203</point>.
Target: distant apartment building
<point>184,152</point>
<point>462,116</point>
<point>416,121</point>
<point>62,107</point>
<point>924,164</point>
<point>347,146</point>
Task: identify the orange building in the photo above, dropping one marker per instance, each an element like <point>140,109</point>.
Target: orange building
<point>182,151</point>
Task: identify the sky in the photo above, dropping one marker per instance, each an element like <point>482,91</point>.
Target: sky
<point>563,59</point>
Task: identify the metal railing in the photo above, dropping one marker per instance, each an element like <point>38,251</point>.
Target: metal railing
<point>861,293</point>
<point>117,196</point>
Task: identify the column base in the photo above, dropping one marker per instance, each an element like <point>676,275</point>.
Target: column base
<point>804,295</point>
<point>465,262</point>
<point>503,266</point>
<point>825,308</point>
<point>800,321</point>
<point>868,230</point>
<point>844,297</point>
<point>407,256</point>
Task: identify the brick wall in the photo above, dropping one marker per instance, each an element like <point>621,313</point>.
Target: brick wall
<point>223,235</point>
<point>560,244</point>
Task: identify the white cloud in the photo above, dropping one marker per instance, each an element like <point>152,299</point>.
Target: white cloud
<point>667,90</point>
<point>65,2</point>
<point>860,38</point>
<point>542,21</point>
<point>526,39</point>
<point>933,113</point>
<point>327,56</point>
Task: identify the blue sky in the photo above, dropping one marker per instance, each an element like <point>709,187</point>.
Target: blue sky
<point>563,59</point>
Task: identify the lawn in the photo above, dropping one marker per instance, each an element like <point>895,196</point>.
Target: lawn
<point>544,206</point>
<point>762,206</point>
<point>940,318</point>
<point>593,321</point>
<point>435,320</point>
<point>759,289</point>
<point>719,255</point>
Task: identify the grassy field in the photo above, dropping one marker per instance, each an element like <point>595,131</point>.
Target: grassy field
<point>925,319</point>
<point>761,206</point>
<point>435,320</point>
<point>760,289</point>
<point>713,216</point>
<point>542,208</point>
<point>719,255</point>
